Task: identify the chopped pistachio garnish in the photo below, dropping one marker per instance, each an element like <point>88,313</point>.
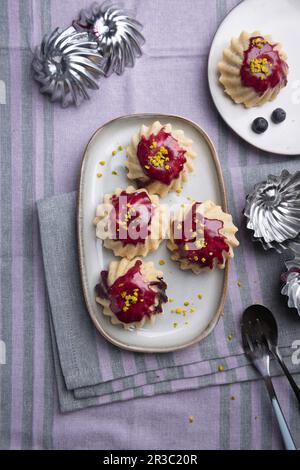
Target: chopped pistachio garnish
<point>186,303</point>
<point>170,299</point>
<point>191,419</point>
<point>161,262</point>
<point>239,284</point>
<point>175,325</point>
<point>221,368</point>
<point>200,296</point>
<point>114,172</point>
<point>102,163</point>
<point>230,337</point>
<point>99,175</point>
<point>120,148</point>
<point>114,152</point>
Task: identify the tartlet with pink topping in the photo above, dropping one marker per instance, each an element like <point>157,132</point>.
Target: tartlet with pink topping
<point>253,69</point>
<point>132,293</point>
<point>159,158</point>
<point>202,237</point>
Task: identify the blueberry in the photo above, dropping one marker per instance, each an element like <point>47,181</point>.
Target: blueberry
<point>260,125</point>
<point>278,115</point>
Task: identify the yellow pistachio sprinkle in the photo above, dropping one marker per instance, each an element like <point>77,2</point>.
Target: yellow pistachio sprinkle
<point>114,172</point>
<point>161,262</point>
<point>239,284</point>
<point>230,337</point>
<point>189,198</point>
<point>183,206</point>
<point>178,191</point>
<point>200,296</point>
<point>99,175</point>
<point>232,397</point>
<point>186,322</point>
<point>191,419</point>
<point>147,167</point>
<point>175,325</point>
<point>221,368</point>
<point>180,310</point>
<point>186,303</point>
<point>170,299</point>
<point>192,310</point>
<point>114,152</point>
<point>120,148</point>
<point>102,162</point>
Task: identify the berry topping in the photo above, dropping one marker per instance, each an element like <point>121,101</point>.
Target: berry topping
<point>259,125</point>
<point>199,239</point>
<point>131,218</point>
<point>278,115</point>
<point>131,296</point>
<point>262,66</point>
<point>161,157</point>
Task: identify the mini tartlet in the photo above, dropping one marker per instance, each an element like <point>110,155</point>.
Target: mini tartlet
<point>202,237</point>
<point>159,158</point>
<point>131,292</point>
<point>253,69</point>
<point>130,222</point>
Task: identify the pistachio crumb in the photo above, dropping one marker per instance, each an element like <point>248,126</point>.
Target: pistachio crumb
<point>221,368</point>
<point>232,397</point>
<point>114,172</point>
<point>200,296</point>
<point>102,163</point>
<point>114,152</point>
<point>175,325</point>
<point>230,337</point>
<point>239,283</point>
<point>120,148</point>
<point>171,299</point>
<point>192,310</point>
<point>99,175</point>
<point>161,262</point>
<point>191,419</point>
<point>186,303</point>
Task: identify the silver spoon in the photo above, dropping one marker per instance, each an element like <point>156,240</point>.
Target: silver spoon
<point>256,349</point>
<point>268,326</point>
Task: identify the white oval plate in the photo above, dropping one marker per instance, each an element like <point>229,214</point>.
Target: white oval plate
<point>205,183</point>
<point>280,19</point>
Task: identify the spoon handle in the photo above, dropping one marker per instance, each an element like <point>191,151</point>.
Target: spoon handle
<point>293,384</point>
<point>284,429</point>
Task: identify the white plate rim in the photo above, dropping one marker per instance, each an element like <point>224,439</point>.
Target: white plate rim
<point>82,265</point>
<point>259,147</point>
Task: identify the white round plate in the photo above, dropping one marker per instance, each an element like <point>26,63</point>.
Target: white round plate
<point>280,19</point>
<point>205,183</point>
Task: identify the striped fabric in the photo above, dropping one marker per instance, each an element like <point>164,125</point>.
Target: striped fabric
<point>41,147</point>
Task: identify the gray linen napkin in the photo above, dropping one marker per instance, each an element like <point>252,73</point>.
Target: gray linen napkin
<point>90,371</point>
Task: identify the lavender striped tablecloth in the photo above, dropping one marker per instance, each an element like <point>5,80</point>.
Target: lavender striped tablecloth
<point>41,147</point>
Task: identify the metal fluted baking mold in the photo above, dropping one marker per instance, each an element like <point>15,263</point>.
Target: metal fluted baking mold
<point>67,64</point>
<point>117,33</point>
<point>273,211</point>
<point>291,280</point>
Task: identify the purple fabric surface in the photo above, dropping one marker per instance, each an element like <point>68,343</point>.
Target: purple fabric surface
<point>41,147</point>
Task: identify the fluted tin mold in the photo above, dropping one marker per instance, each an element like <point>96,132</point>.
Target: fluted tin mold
<point>67,64</point>
<point>273,211</point>
<point>117,33</point>
<point>291,280</point>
